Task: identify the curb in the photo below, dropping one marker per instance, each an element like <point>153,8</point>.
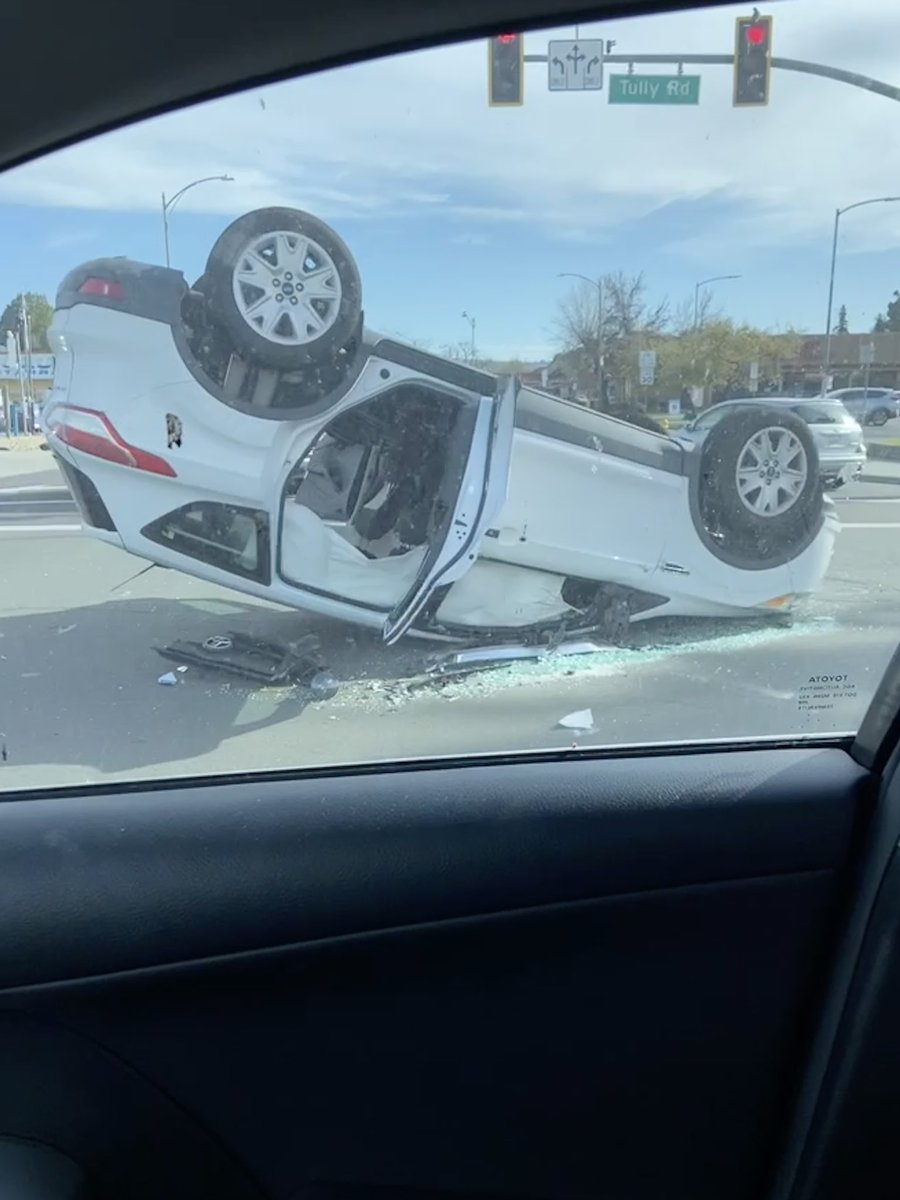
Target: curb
<point>877,450</point>
<point>894,479</point>
<point>34,490</point>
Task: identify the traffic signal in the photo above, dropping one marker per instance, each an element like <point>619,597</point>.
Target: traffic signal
<point>752,60</point>
<point>505,69</point>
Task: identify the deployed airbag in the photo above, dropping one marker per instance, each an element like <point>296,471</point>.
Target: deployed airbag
<point>498,595</point>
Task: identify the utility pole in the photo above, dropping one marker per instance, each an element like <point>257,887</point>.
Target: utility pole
<point>169,204</point>
<point>702,283</point>
<point>471,320</point>
<point>18,352</point>
<point>838,213</point>
<point>27,402</point>
<point>600,356</point>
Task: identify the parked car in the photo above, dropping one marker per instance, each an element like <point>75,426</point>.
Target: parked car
<point>870,406</point>
<point>839,438</point>
<point>251,431</point>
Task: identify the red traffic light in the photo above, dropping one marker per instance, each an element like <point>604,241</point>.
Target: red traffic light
<point>756,34</point>
<point>505,69</point>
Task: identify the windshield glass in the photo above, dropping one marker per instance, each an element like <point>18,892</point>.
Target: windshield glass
<point>358,437</point>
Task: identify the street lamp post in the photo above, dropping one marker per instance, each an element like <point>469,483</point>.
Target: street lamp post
<point>597,284</point>
<point>838,213</point>
<point>702,283</point>
<point>27,403</point>
<point>169,204</point>
<point>471,320</point>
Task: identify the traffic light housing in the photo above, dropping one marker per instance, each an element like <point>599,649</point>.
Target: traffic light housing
<point>752,61</point>
<point>506,74</point>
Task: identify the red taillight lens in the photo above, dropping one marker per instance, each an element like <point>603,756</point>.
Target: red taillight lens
<point>93,433</point>
<point>109,288</point>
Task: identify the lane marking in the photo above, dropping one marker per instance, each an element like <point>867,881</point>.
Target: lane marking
<point>32,488</point>
<point>870,524</point>
<point>37,528</point>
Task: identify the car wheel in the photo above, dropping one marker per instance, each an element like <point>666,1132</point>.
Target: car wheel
<point>878,417</point>
<point>284,287</point>
<point>761,478</point>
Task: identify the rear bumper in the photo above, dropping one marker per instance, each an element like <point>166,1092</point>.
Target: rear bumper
<point>842,468</point>
<point>95,516</point>
<point>146,290</point>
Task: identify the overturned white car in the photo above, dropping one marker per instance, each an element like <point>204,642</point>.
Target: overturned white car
<point>250,430</point>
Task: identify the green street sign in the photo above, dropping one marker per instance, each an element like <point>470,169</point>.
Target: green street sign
<point>654,89</point>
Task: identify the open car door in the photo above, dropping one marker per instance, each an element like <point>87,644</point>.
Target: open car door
<point>474,497</point>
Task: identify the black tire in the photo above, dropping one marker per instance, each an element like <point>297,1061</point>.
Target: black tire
<point>725,447</point>
<point>878,416</point>
<point>291,344</point>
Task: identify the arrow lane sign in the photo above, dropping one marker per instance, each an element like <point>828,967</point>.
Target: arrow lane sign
<point>575,66</point>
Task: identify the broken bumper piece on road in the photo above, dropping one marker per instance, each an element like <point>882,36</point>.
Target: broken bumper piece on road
<point>252,658</point>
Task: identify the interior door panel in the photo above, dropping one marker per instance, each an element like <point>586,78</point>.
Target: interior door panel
<point>536,979</point>
<point>850,1139</point>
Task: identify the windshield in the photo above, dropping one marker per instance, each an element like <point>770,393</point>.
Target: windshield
<point>341,417</point>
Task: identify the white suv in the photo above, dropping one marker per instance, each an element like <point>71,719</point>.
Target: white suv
<point>870,406</point>
<point>838,437</point>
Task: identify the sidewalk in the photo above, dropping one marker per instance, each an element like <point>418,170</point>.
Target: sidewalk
<point>881,471</point>
<point>15,445</point>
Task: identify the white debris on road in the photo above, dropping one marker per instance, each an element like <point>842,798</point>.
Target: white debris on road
<point>581,720</point>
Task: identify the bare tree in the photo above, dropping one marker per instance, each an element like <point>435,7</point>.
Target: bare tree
<point>682,321</point>
<point>578,326</point>
<point>462,352</point>
<point>579,317</point>
<point>631,323</point>
<point>604,333</point>
<point>626,311</point>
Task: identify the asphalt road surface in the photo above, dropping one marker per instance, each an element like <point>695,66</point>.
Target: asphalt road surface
<point>80,701</point>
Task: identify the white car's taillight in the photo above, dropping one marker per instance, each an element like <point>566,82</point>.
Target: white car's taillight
<point>109,289</point>
<point>92,432</point>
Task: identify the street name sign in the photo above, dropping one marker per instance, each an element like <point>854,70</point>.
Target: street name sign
<point>654,89</point>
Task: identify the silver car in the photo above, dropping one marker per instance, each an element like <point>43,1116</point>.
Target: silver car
<point>838,436</point>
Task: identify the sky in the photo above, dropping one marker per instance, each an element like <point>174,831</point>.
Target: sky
<point>449,205</point>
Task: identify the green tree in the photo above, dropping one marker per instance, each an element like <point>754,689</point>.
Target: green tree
<point>842,326</point>
<point>40,314</point>
<point>718,355</point>
<point>889,322</point>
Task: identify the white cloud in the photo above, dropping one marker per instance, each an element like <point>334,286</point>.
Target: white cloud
<point>414,134</point>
